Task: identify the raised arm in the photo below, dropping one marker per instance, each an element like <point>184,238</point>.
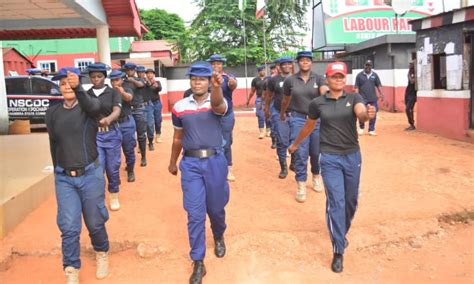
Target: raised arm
<point>218,103</point>
<point>89,104</point>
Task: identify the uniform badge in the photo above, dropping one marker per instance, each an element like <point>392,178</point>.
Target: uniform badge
<point>348,104</point>
<point>315,85</point>
<point>281,84</point>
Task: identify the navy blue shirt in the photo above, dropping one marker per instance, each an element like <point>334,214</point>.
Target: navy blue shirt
<point>366,84</point>
<point>201,126</point>
<point>227,92</point>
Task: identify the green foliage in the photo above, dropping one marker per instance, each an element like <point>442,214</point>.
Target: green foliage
<point>162,25</point>
<point>218,28</point>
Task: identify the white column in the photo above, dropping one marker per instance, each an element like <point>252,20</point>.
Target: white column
<point>3,98</point>
<point>103,44</point>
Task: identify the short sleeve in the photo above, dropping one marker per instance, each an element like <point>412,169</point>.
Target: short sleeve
<point>357,99</point>
<point>287,86</point>
<point>254,83</point>
<point>321,81</point>
<point>357,82</point>
<point>117,99</point>
<point>314,111</point>
<point>271,84</point>
<point>128,90</point>
<point>176,120</point>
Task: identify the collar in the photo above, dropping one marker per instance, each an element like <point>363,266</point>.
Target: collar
<point>311,75</point>
<point>208,99</point>
<point>333,99</point>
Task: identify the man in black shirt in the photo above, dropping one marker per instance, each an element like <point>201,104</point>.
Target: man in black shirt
<point>138,106</point>
<point>340,155</point>
<point>78,175</point>
<point>410,97</point>
<point>274,97</point>
<point>155,87</point>
<point>109,138</point>
<point>299,90</point>
<point>366,83</point>
<point>257,87</point>
<point>126,122</point>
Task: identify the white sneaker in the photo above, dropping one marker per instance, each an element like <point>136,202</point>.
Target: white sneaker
<point>372,133</point>
<point>301,192</point>
<point>269,132</point>
<point>102,264</point>
<point>360,131</point>
<point>72,275</point>
<point>230,176</point>
<point>158,138</point>
<point>288,154</point>
<point>317,186</point>
<point>114,201</point>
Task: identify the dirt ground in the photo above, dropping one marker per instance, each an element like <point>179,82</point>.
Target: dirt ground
<point>399,235</point>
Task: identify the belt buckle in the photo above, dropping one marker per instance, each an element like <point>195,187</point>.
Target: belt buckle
<point>203,153</point>
<point>73,173</point>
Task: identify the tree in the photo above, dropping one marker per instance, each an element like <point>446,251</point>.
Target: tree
<point>218,28</point>
<point>162,25</point>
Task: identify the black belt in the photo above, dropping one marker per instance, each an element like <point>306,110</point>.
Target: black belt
<point>107,128</point>
<point>79,171</point>
<point>298,114</point>
<point>138,106</point>
<point>203,153</point>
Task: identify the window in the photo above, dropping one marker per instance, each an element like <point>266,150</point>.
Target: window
<point>439,71</point>
<point>17,86</point>
<point>42,87</point>
<point>82,63</point>
<point>50,65</point>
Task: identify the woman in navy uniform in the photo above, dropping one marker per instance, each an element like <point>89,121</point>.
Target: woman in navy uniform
<point>228,120</point>
<point>109,136</point>
<point>126,123</point>
<point>138,106</point>
<point>155,88</point>
<point>78,175</point>
<point>340,153</point>
<point>257,87</point>
<point>198,131</point>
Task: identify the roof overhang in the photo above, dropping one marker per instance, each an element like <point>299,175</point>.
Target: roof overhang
<point>381,40</point>
<point>68,19</point>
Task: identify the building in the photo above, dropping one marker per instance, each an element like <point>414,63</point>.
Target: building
<point>445,73</point>
<point>15,63</point>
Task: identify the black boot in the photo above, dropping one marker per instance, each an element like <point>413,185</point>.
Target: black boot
<point>130,176</point>
<point>336,264</point>
<point>143,161</point>
<point>151,147</point>
<point>142,147</point>
<point>274,142</point>
<point>292,165</point>
<point>199,270</point>
<point>284,169</point>
<point>219,248</point>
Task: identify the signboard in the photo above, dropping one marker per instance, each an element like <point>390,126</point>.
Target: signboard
<point>354,21</point>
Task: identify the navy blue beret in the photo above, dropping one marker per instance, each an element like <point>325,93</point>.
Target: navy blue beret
<point>116,74</point>
<point>130,65</point>
<point>301,54</point>
<point>98,67</point>
<point>201,69</point>
<point>216,57</point>
<point>63,73</point>
<point>260,68</point>
<point>285,59</point>
<point>140,68</point>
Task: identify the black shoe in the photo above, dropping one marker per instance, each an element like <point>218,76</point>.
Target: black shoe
<point>292,168</point>
<point>151,147</point>
<point>336,264</point>
<point>410,128</point>
<point>346,243</point>
<point>199,271</point>
<point>130,176</point>
<point>274,143</point>
<point>143,162</point>
<point>284,169</point>
<point>219,248</point>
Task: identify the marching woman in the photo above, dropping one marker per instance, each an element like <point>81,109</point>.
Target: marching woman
<point>78,175</point>
<point>340,155</point>
<point>109,138</point>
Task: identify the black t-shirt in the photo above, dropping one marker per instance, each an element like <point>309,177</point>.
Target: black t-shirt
<point>108,99</point>
<point>155,95</point>
<point>137,92</point>
<point>275,85</point>
<point>126,106</point>
<point>302,93</point>
<point>338,132</point>
<point>72,132</point>
<point>258,83</point>
<point>366,84</point>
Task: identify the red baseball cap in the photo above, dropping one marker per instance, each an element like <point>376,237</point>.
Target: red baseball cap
<point>336,68</point>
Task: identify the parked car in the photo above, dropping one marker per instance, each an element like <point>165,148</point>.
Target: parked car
<point>28,97</point>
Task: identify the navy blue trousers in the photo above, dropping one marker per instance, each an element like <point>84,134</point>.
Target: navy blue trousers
<point>110,156</point>
<point>129,142</point>
<point>341,177</point>
<point>77,197</point>
<point>157,114</point>
<point>228,122</point>
<point>205,190</point>
<point>281,130</point>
